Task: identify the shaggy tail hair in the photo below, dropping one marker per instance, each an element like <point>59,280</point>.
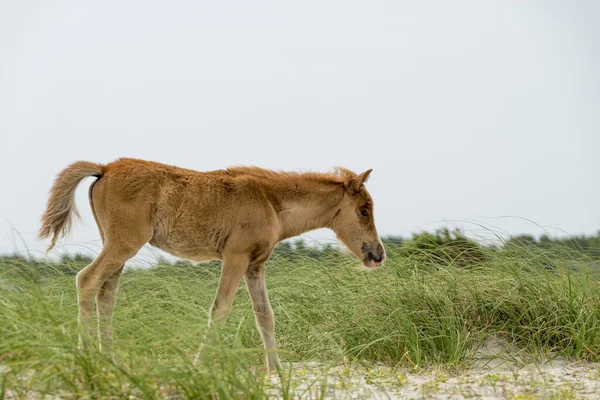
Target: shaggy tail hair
<point>58,218</point>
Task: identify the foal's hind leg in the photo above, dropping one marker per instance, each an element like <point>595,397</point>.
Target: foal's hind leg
<point>105,304</point>
<point>90,279</point>
<point>124,229</point>
<point>106,297</point>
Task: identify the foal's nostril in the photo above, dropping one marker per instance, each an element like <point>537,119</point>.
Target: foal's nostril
<point>373,253</point>
<point>373,257</point>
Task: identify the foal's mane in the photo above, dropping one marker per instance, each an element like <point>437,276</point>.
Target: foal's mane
<point>284,178</point>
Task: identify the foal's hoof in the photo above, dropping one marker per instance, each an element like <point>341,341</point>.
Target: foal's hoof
<point>274,369</point>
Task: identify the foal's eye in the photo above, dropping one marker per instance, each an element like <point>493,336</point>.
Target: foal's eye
<point>364,212</point>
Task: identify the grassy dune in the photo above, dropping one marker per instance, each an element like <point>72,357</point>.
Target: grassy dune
<point>423,308</point>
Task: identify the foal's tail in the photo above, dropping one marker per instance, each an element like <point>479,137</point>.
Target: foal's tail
<point>57,219</point>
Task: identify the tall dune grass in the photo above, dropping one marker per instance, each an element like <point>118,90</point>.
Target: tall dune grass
<point>416,311</point>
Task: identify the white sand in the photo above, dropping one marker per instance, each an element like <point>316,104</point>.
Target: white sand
<point>496,373</point>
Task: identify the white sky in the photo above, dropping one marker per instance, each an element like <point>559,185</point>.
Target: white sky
<point>468,111</point>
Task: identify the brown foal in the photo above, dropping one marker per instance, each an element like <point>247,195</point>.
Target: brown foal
<point>236,215</point>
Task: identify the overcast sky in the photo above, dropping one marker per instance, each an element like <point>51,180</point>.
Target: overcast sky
<point>468,111</point>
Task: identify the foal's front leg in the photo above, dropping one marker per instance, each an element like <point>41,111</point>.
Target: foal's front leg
<point>232,271</point>
<point>265,320</point>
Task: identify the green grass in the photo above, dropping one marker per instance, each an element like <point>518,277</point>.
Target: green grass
<point>414,312</point>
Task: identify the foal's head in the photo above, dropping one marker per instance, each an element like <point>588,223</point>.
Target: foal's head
<point>354,223</point>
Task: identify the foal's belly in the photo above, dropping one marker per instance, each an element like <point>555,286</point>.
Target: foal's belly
<point>188,251</point>
<point>185,244</point>
<point>189,226</point>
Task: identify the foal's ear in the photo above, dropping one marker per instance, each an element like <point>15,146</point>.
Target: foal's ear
<point>355,183</point>
<point>364,176</point>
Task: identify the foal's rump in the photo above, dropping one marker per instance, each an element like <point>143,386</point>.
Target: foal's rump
<point>122,195</point>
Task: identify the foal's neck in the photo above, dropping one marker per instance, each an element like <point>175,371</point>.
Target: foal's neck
<point>303,209</point>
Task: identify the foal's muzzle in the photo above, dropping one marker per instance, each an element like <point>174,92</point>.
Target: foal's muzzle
<point>373,254</point>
